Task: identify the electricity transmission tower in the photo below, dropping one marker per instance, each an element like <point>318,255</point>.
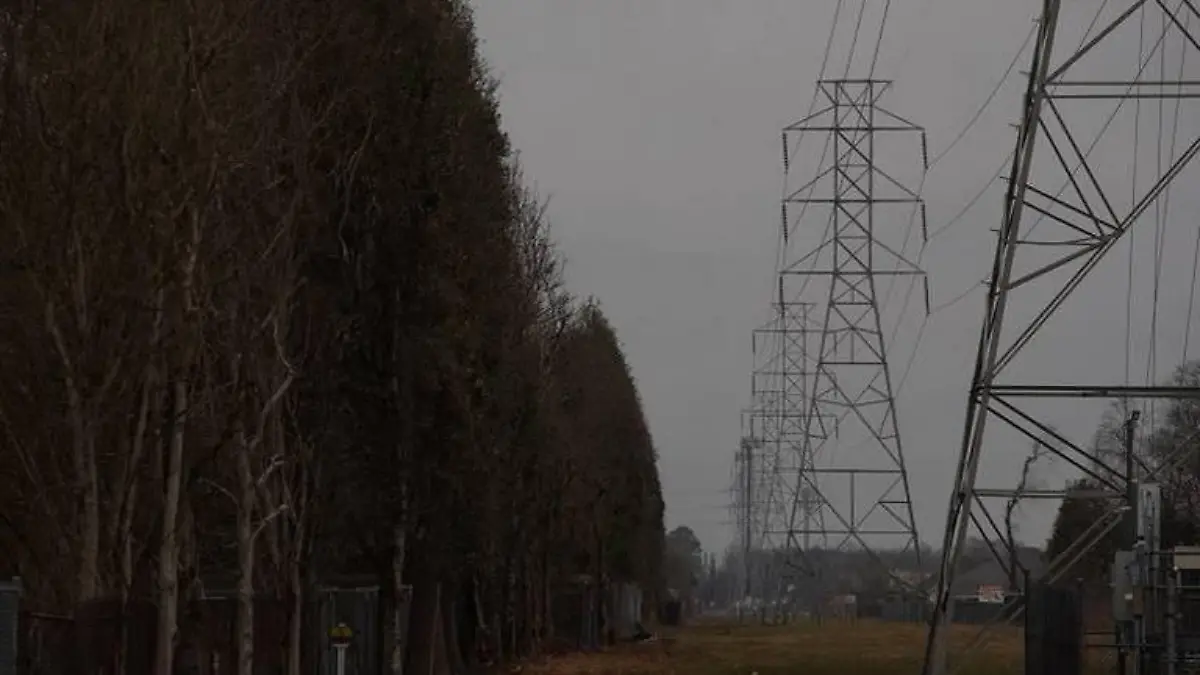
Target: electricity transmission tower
<point>772,436</point>
<point>784,379</point>
<point>850,486</point>
<point>746,479</point>
<point>1065,212</point>
<point>758,451</point>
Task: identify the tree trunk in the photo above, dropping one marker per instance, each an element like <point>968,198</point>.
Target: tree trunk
<point>125,541</point>
<point>451,642</point>
<point>89,567</point>
<point>129,485</point>
<point>86,473</point>
<point>296,620</point>
<point>510,604</point>
<point>529,609</point>
<point>547,597</point>
<point>296,624</point>
<point>423,626</point>
<point>480,644</point>
<point>245,547</point>
<point>168,550</point>
<point>399,598</point>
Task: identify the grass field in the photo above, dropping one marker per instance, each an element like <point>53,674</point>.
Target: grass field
<point>863,648</point>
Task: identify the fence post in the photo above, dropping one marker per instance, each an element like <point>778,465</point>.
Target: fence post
<point>10,605</point>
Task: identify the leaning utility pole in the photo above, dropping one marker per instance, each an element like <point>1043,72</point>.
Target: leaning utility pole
<point>851,488</point>
<point>1129,429</point>
<point>1082,220</point>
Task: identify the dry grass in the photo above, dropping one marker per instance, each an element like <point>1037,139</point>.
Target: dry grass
<point>864,648</point>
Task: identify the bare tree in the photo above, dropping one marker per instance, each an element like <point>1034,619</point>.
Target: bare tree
<point>1036,462</point>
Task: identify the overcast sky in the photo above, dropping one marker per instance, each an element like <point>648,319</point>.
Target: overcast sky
<point>654,128</point>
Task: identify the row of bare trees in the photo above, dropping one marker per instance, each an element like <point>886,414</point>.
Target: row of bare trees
<point>275,304</point>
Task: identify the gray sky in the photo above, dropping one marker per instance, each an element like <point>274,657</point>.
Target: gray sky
<point>653,126</point>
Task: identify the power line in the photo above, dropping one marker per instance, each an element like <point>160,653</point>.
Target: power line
<point>966,129</point>
<point>920,17</point>
<point>879,40</point>
<point>1187,329</point>
<point>954,220</point>
<point>862,10</point>
<point>987,101</point>
<point>782,236</point>
<point>946,151</point>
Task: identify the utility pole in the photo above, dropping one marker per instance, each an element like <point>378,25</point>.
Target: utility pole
<point>1131,485</point>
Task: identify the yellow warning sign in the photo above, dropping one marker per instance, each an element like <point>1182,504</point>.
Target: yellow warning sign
<point>341,633</point>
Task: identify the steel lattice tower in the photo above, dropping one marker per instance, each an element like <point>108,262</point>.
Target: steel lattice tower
<point>850,487</point>
<point>773,432</point>
<point>784,377</point>
<point>758,451</point>
<point>745,483</point>
<point>1085,209</point>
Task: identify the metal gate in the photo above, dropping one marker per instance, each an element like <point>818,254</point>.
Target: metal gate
<point>1053,631</point>
<point>358,610</point>
<point>351,616</point>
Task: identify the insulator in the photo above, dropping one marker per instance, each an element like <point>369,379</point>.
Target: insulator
<point>786,159</point>
<point>925,151</point>
<point>783,220</point>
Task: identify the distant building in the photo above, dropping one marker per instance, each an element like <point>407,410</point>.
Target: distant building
<point>989,581</point>
<point>843,607</point>
<point>984,592</point>
<point>901,579</point>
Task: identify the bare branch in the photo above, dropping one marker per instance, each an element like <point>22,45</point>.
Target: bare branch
<point>276,463</point>
<point>279,511</point>
<point>219,488</point>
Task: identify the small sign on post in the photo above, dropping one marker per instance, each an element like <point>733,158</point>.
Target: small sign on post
<point>990,593</point>
<point>340,636</point>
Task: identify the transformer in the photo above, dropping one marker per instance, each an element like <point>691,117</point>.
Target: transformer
<point>1156,597</point>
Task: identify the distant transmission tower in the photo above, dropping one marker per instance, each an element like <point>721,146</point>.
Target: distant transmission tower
<point>1060,223</point>
<point>746,479</point>
<point>771,441</point>
<point>850,487</point>
<point>783,380</point>
<point>757,450</point>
